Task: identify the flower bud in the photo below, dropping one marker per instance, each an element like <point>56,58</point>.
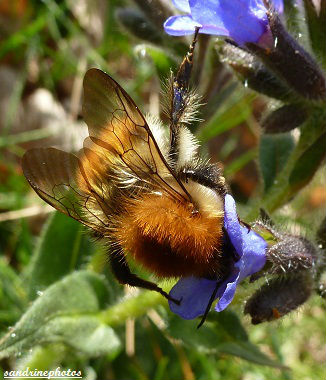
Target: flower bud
<point>278,297</point>
<point>284,119</point>
<point>292,253</point>
<point>291,62</point>
<point>156,11</point>
<point>286,253</point>
<point>138,25</point>
<point>253,73</point>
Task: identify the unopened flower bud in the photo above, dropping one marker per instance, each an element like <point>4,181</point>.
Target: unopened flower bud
<point>291,253</point>
<point>138,25</point>
<point>286,252</point>
<point>284,119</point>
<point>278,297</point>
<point>291,62</point>
<point>253,73</point>
<point>156,11</point>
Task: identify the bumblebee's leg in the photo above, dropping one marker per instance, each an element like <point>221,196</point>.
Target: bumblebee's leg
<point>122,273</point>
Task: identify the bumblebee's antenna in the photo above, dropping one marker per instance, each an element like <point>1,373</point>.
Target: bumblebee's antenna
<point>181,80</point>
<point>180,89</point>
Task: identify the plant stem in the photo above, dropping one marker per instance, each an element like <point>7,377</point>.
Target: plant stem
<point>131,307</point>
<point>281,192</point>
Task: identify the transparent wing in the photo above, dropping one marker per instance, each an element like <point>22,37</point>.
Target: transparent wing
<point>120,137</point>
<point>60,179</point>
<point>119,152</point>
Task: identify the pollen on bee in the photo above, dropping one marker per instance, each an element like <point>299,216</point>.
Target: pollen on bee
<point>169,239</point>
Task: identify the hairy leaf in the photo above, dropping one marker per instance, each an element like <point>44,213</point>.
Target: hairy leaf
<point>67,312</point>
<point>222,333</point>
<point>59,250</point>
<point>274,150</point>
<point>307,164</point>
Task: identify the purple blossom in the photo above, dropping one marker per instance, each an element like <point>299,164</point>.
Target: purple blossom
<point>242,20</point>
<point>196,292</point>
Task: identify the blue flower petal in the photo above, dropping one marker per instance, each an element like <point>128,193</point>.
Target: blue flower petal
<point>248,244</point>
<point>279,6</point>
<point>242,20</point>
<point>254,257</point>
<point>251,250</point>
<point>180,25</point>
<point>227,290</point>
<point>195,294</point>
<point>214,30</point>
<point>182,5</point>
<point>231,223</point>
<point>252,260</point>
<point>236,17</point>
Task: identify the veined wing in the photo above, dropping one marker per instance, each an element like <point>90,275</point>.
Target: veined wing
<point>60,179</point>
<point>121,137</point>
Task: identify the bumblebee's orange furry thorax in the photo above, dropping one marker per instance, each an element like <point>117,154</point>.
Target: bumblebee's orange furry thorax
<point>169,239</point>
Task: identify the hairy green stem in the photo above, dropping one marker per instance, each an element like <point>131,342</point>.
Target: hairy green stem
<point>131,307</point>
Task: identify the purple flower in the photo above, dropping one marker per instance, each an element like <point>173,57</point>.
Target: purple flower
<point>242,20</point>
<point>196,292</point>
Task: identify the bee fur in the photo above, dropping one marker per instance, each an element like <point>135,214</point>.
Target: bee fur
<point>148,195</point>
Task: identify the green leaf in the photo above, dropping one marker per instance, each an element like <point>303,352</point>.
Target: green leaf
<point>294,19</point>
<point>230,323</point>
<point>238,163</point>
<point>162,61</point>
<point>307,164</point>
<point>58,253</point>
<point>274,151</point>
<point>83,333</point>
<point>204,339</point>
<point>12,294</point>
<point>316,26</point>
<point>249,352</point>
<point>222,333</point>
<point>67,312</point>
<point>224,119</point>
<point>219,328</point>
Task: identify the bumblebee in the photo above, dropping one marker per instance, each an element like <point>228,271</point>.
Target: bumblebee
<point>148,195</point>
